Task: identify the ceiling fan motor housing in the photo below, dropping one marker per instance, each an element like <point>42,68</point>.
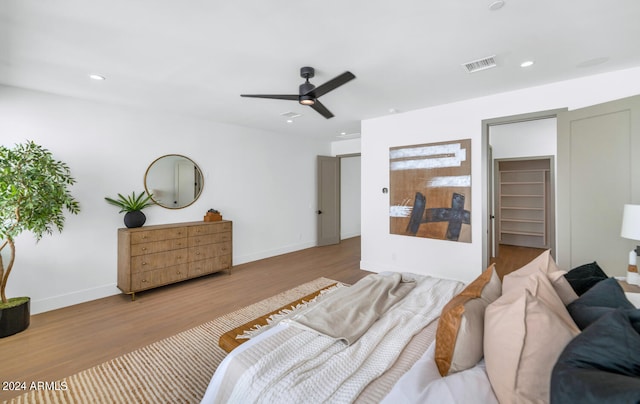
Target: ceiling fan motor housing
<point>307,72</point>
<point>305,88</point>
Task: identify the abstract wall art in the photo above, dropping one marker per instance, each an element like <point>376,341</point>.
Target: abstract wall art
<point>430,190</point>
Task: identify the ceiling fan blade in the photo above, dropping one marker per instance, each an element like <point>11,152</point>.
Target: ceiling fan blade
<point>293,97</point>
<point>321,109</point>
<point>331,84</point>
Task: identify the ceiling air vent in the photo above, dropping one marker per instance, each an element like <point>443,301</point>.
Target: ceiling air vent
<point>290,115</point>
<point>480,64</point>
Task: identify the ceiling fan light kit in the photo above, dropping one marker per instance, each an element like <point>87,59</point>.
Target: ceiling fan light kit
<point>306,100</point>
<point>308,93</point>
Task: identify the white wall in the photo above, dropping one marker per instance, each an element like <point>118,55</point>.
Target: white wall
<point>350,201</point>
<point>350,186</point>
<point>524,139</point>
<point>248,176</point>
<point>349,146</point>
<point>382,251</point>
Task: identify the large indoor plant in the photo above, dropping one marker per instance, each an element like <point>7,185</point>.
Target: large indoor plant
<point>34,194</point>
<point>133,205</point>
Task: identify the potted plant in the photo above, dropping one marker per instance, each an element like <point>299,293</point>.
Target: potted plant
<point>133,205</point>
<point>34,193</point>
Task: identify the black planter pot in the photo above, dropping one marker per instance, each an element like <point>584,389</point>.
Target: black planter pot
<point>15,319</point>
<point>134,219</point>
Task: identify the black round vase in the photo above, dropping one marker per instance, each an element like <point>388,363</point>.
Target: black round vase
<point>15,319</point>
<point>134,219</point>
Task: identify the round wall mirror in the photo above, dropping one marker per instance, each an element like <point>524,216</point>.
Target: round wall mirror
<point>173,181</point>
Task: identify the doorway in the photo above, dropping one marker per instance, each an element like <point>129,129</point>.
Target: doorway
<point>528,137</point>
<point>339,202</point>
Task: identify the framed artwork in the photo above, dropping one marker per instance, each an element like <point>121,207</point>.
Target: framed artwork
<point>430,190</point>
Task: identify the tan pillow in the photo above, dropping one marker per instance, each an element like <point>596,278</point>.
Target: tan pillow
<point>461,324</point>
<point>562,286</point>
<point>543,263</point>
<point>525,332</point>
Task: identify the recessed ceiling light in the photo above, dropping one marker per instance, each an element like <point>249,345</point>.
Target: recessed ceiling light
<point>527,63</point>
<point>96,77</point>
<point>496,5</point>
<point>289,120</point>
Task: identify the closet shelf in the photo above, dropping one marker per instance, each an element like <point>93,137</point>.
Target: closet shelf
<point>522,233</point>
<point>522,221</point>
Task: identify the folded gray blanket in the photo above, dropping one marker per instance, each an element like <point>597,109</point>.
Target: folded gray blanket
<point>349,312</point>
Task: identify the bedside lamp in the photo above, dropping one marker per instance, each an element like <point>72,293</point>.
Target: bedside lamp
<point>631,230</point>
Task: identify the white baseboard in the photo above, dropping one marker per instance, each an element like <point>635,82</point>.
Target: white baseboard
<point>375,267</point>
<point>69,299</point>
<point>237,260</point>
<point>349,235</point>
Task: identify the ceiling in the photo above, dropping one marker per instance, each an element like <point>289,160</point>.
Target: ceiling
<point>197,57</point>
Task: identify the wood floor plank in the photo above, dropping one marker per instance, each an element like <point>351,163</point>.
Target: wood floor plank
<point>511,258</point>
<point>62,342</point>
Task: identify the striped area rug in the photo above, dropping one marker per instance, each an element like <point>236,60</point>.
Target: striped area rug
<point>174,370</point>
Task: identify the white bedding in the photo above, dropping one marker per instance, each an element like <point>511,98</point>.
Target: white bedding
<point>288,364</point>
<point>423,384</point>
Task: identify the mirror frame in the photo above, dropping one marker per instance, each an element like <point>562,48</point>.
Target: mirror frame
<point>146,174</point>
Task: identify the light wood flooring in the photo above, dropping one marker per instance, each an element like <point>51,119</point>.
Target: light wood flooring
<point>62,342</point>
<point>510,258</point>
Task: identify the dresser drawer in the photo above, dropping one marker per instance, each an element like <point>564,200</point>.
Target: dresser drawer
<point>200,253</point>
<point>210,228</point>
<point>216,264</point>
<point>158,235</point>
<point>222,248</point>
<point>158,246</point>
<point>209,251</point>
<point>209,239</point>
<point>148,262</point>
<point>159,277</point>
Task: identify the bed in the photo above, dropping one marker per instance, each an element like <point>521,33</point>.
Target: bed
<point>411,338</point>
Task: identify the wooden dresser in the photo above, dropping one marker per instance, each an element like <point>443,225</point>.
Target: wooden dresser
<point>153,256</point>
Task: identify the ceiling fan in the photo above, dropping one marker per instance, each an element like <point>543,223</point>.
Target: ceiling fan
<point>308,94</point>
